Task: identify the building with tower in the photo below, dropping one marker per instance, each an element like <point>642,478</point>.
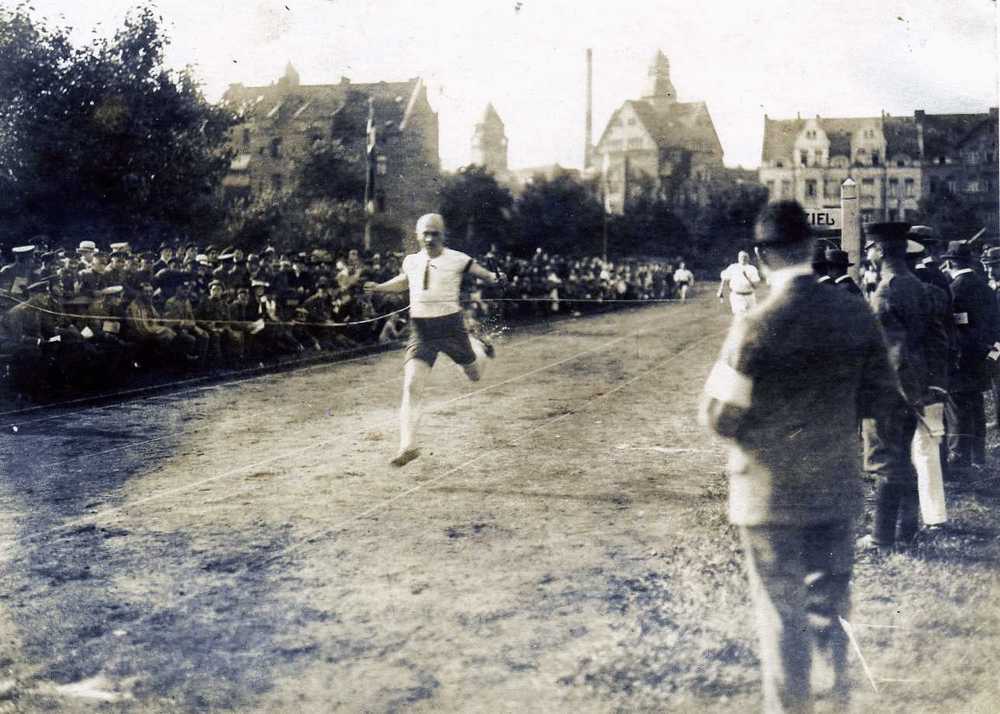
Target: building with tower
<point>660,145</point>
<point>279,124</point>
<point>489,143</point>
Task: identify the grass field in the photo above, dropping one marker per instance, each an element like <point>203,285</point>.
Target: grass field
<point>560,545</point>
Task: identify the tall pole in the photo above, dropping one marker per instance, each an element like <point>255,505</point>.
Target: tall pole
<point>370,143</point>
<point>850,230</point>
<point>588,149</point>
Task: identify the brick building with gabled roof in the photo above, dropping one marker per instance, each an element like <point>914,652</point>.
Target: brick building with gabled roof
<point>896,161</point>
<point>281,122</point>
<point>657,142</point>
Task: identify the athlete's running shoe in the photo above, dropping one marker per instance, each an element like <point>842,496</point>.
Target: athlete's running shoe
<point>404,457</point>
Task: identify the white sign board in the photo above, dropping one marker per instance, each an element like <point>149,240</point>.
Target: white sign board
<point>824,218</point>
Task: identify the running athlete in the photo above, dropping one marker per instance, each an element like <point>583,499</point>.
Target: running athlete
<point>434,278</point>
<point>742,279</point>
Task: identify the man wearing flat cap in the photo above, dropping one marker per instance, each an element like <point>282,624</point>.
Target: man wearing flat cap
<point>902,308</point>
<point>793,379</point>
<point>975,317</point>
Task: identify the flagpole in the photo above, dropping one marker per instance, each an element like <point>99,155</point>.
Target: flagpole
<point>370,140</point>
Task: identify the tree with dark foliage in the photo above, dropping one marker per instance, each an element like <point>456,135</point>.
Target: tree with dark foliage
<point>103,139</point>
<point>476,210</point>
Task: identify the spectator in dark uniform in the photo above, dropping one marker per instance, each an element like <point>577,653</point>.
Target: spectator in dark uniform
<point>975,313</point>
<point>928,269</point>
<point>14,278</point>
<point>819,264</point>
<point>837,263</point>
<point>902,308</point>
<point>179,311</point>
<point>794,377</point>
<point>991,261</point>
<point>225,340</point>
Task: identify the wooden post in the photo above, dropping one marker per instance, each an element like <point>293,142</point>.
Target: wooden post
<point>850,229</point>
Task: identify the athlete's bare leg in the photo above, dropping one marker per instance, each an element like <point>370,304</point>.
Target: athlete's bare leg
<point>415,374</point>
<point>475,370</point>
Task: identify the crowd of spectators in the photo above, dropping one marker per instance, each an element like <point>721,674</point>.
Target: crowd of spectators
<point>96,317</point>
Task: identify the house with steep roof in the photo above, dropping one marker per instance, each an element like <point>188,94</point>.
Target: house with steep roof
<point>659,144</point>
<point>895,161</point>
<point>280,123</point>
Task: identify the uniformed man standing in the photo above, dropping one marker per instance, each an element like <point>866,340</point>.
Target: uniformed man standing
<point>991,261</point>
<point>792,381</point>
<point>975,313</point>
<point>902,308</point>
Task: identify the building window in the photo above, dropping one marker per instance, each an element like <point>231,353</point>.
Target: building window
<point>779,164</point>
<point>246,137</point>
<point>810,188</point>
<point>972,158</point>
<point>862,156</point>
<point>868,186</point>
<point>875,158</point>
<point>893,187</point>
<point>786,189</point>
<point>933,188</point>
<point>277,182</point>
<point>635,142</point>
<point>892,214</point>
<point>804,157</point>
<point>380,201</point>
<point>818,157</point>
<point>908,188</point>
<point>275,147</point>
<point>770,188</point>
<point>952,185</point>
<point>869,133</point>
<point>831,189</point>
<point>381,165</point>
<point>811,134</point>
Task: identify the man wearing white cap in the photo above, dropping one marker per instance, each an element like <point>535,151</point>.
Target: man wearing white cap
<point>434,278</point>
<point>742,279</point>
<point>15,278</point>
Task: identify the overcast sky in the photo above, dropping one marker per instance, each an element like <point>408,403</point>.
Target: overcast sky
<point>528,57</point>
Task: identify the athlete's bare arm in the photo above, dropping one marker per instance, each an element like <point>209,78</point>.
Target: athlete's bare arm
<point>485,275</point>
<point>393,285</point>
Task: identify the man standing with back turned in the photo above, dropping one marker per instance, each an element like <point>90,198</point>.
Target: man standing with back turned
<point>793,380</point>
<point>434,279</point>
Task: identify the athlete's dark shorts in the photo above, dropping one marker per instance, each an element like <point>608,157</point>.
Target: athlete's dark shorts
<point>431,335</point>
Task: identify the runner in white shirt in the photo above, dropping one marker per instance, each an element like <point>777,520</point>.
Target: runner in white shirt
<point>434,278</point>
<point>743,279</point>
<point>684,280</point>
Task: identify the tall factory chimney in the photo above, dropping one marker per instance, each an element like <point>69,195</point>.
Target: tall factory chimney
<point>588,151</point>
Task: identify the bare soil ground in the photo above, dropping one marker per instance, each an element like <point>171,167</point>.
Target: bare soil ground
<point>559,546</point>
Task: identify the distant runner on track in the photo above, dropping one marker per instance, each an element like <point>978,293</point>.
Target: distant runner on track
<point>434,279</point>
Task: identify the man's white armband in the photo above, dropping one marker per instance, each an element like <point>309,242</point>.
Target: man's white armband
<point>729,386</point>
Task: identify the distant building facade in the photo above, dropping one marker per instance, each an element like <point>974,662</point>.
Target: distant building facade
<point>895,161</point>
<point>281,122</point>
<point>660,144</point>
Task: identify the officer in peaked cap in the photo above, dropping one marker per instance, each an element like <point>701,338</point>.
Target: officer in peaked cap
<point>975,317</point>
<point>14,278</point>
<point>928,268</point>
<point>991,261</point>
<point>837,263</point>
<point>902,308</point>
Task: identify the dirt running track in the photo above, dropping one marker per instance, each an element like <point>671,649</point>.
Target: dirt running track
<point>246,548</point>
